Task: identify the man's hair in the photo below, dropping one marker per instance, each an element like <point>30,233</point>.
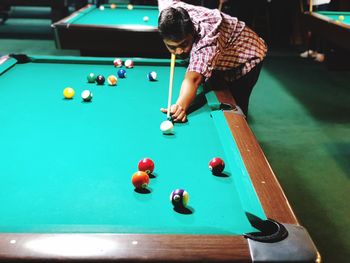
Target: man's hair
<point>175,24</point>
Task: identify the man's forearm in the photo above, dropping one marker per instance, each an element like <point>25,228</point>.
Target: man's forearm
<point>187,94</point>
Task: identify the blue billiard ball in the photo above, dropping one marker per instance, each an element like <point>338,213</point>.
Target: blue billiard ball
<point>152,76</point>
<point>121,73</point>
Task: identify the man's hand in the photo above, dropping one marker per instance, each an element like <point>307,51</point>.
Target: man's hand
<point>177,113</point>
<point>187,94</point>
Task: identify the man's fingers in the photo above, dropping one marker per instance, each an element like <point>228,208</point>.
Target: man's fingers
<point>177,113</point>
<point>181,117</point>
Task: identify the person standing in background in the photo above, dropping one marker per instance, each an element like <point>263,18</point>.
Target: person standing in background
<point>314,44</point>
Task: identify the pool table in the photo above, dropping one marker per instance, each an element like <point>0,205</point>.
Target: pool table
<point>59,8</point>
<point>66,168</point>
<point>335,33</point>
<point>112,31</point>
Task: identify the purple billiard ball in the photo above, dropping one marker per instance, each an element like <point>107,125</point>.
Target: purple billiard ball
<point>179,198</point>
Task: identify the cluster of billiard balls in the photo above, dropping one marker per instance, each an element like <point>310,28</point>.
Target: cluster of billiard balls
<point>179,197</point>
<point>140,179</point>
<point>130,7</point>
<point>112,80</point>
<point>151,76</point>
<point>100,79</point>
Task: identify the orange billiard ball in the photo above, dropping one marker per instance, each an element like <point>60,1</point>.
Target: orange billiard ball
<point>146,165</point>
<point>140,179</point>
<point>112,80</point>
<point>68,93</point>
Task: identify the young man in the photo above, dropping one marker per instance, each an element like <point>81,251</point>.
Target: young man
<point>221,50</point>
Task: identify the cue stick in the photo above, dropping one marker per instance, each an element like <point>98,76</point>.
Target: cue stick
<point>310,6</point>
<point>172,67</point>
<point>220,6</point>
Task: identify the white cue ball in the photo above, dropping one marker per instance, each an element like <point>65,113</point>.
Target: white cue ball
<point>167,127</point>
<point>145,18</point>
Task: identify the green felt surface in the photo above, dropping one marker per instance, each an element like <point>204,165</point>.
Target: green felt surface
<point>66,165</point>
<point>335,16</point>
<point>120,16</point>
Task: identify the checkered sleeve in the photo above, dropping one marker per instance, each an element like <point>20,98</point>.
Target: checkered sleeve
<point>200,61</point>
<point>162,4</point>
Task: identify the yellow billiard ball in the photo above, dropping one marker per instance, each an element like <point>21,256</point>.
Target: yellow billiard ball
<point>130,7</point>
<point>68,93</point>
<point>341,18</point>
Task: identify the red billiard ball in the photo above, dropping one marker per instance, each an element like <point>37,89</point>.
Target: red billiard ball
<point>118,62</point>
<point>216,165</point>
<point>146,165</point>
<point>140,179</point>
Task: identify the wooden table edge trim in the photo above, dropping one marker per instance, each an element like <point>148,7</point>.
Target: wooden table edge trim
<point>263,178</point>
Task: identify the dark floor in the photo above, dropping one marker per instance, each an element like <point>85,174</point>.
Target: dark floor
<point>300,113</point>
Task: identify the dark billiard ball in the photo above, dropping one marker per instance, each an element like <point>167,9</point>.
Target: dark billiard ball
<point>140,179</point>
<point>121,73</point>
<point>152,76</point>
<point>146,165</point>
<point>179,198</point>
<point>100,80</point>
<point>216,165</point>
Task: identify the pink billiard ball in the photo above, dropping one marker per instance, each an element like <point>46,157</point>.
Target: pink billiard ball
<point>117,62</point>
<point>216,165</point>
<point>129,63</point>
<point>146,165</point>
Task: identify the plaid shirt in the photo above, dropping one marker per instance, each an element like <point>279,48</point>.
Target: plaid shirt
<point>224,43</point>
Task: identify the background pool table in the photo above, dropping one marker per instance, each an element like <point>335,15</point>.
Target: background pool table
<point>112,31</point>
<point>66,168</point>
<point>59,8</point>
<point>334,34</point>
